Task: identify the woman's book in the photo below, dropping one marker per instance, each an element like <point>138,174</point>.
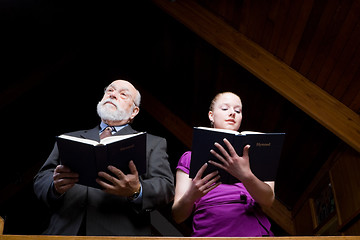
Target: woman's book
<point>264,153</point>
<point>88,157</point>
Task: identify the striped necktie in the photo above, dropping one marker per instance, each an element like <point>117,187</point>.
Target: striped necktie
<point>106,133</point>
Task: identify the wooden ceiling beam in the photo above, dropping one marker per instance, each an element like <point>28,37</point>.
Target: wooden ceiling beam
<point>165,117</point>
<point>307,96</point>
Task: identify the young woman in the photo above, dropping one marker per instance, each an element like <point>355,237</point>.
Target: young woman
<point>223,210</point>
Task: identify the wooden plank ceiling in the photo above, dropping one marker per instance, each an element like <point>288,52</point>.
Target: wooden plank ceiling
<point>319,39</point>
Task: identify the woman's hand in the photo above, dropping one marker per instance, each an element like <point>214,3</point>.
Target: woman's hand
<point>188,190</point>
<point>201,186</point>
<point>239,167</point>
<point>231,162</point>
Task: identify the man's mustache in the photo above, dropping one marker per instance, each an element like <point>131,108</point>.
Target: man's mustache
<point>110,101</point>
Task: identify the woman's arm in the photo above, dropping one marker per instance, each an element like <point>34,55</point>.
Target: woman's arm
<point>262,192</point>
<point>188,190</point>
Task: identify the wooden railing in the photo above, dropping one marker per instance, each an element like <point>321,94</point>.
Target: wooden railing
<point>42,237</point>
<point>1,225</point>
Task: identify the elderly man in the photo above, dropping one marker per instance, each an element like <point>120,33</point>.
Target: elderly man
<point>122,206</point>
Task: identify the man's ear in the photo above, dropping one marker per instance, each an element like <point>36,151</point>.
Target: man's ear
<point>135,112</point>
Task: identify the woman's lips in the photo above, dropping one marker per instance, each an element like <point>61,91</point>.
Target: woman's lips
<point>231,121</point>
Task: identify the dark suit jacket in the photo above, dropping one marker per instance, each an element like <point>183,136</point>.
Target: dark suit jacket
<point>105,214</point>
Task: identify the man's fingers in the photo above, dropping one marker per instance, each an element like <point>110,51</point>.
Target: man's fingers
<point>65,181</point>
<point>104,185</point>
<point>64,178</point>
<point>132,168</point>
<point>107,177</point>
<point>65,175</point>
<point>62,185</point>
<point>62,169</point>
<point>116,171</point>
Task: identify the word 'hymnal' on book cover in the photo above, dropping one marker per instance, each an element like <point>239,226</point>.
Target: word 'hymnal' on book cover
<point>88,157</point>
<point>264,153</point>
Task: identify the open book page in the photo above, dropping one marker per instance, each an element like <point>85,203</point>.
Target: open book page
<point>250,132</point>
<point>112,139</point>
<point>229,131</point>
<point>220,130</point>
<point>77,139</point>
<point>104,141</point>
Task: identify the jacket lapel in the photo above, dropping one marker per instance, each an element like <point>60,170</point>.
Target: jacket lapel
<point>126,130</point>
<point>92,134</point>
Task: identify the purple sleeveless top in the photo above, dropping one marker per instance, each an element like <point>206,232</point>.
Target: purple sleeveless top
<point>226,211</point>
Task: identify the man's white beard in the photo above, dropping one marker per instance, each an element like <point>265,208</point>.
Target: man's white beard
<point>106,112</point>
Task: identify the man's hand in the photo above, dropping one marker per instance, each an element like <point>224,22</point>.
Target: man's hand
<point>121,185</point>
<point>64,179</point>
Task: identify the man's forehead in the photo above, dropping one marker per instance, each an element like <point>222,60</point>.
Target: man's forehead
<point>122,85</point>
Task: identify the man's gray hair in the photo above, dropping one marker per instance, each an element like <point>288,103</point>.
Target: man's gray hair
<point>137,99</point>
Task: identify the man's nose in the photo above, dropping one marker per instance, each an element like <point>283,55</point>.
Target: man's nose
<point>112,96</point>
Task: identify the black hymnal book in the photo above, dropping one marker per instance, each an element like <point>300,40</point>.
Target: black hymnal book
<point>264,153</point>
<point>88,157</point>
